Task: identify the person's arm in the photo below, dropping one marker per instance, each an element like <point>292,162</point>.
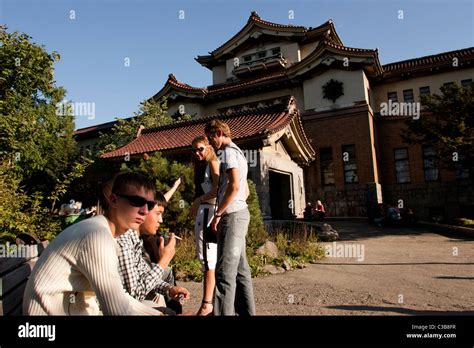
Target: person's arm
<point>173,189</point>
<point>215,180</point>
<point>138,277</point>
<point>150,279</point>
<point>211,194</point>
<point>230,193</point>
<point>98,261</point>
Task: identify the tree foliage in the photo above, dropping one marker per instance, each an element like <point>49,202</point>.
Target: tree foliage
<point>37,149</point>
<point>36,141</point>
<point>150,114</point>
<point>165,172</point>
<point>448,126</point>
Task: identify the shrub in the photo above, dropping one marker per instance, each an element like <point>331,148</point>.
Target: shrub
<point>256,233</point>
<point>22,213</point>
<point>185,262</point>
<point>295,242</point>
<point>165,172</point>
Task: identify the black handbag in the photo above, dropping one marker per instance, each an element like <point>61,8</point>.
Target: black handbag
<point>207,233</point>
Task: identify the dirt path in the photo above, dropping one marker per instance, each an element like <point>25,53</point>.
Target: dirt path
<point>404,271</point>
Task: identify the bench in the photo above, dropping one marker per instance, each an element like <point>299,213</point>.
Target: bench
<point>15,267</point>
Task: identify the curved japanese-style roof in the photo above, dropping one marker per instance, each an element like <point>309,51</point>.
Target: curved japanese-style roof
<point>172,84</point>
<point>464,56</point>
<point>324,47</point>
<point>252,123</point>
<point>256,24</point>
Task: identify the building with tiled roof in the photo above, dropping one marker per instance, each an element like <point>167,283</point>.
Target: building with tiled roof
<point>271,136</point>
<point>337,94</point>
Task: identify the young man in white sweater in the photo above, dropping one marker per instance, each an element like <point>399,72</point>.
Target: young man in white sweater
<point>81,263</point>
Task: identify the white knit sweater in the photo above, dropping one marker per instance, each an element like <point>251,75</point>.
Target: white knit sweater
<point>78,265</point>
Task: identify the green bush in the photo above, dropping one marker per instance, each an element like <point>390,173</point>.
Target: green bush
<point>185,262</point>
<point>464,222</point>
<point>165,172</point>
<point>256,233</point>
<point>22,213</point>
<point>295,243</point>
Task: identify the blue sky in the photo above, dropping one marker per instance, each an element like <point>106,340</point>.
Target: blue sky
<point>94,45</point>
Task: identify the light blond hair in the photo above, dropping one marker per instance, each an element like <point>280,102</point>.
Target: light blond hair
<point>210,154</point>
<point>214,125</point>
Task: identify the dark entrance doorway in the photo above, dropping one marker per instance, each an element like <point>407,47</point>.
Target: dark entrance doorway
<point>280,195</point>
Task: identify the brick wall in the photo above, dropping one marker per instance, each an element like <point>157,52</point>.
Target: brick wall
<point>335,129</point>
<point>447,196</point>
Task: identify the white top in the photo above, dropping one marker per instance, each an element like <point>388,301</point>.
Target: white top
<point>78,265</point>
<point>233,157</point>
<point>207,183</point>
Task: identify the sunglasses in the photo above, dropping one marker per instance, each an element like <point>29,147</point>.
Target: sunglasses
<point>138,201</point>
<point>199,149</point>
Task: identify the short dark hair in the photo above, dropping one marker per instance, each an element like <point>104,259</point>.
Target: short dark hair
<point>124,180</point>
<point>160,199</point>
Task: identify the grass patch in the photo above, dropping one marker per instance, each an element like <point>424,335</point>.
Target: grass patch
<point>297,247</point>
<point>464,222</point>
<point>185,262</point>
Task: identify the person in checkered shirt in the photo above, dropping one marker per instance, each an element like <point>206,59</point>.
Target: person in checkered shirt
<point>140,277</point>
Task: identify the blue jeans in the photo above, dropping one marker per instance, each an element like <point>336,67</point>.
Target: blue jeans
<point>234,290</point>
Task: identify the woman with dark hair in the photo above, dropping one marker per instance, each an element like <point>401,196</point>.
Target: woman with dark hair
<point>206,177</point>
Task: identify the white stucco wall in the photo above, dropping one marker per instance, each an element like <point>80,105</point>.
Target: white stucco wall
<point>354,88</point>
<point>273,158</point>
<point>189,108</point>
<point>219,74</point>
<point>290,51</point>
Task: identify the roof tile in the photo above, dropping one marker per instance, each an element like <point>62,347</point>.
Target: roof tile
<point>244,124</point>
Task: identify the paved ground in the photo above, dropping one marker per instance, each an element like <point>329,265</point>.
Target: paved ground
<point>404,271</point>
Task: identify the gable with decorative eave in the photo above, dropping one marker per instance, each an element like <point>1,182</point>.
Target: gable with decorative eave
<point>328,53</point>
<point>174,89</point>
<point>256,28</point>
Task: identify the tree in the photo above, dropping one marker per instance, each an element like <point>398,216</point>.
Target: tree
<point>36,141</point>
<point>165,172</point>
<point>37,151</point>
<point>447,126</point>
<point>256,233</point>
<point>151,114</point>
<point>23,213</point>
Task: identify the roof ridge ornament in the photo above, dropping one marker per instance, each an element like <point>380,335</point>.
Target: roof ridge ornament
<point>292,107</point>
<point>253,15</point>
<point>139,132</point>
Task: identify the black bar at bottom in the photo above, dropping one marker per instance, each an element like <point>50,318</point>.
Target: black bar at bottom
<point>260,330</point>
